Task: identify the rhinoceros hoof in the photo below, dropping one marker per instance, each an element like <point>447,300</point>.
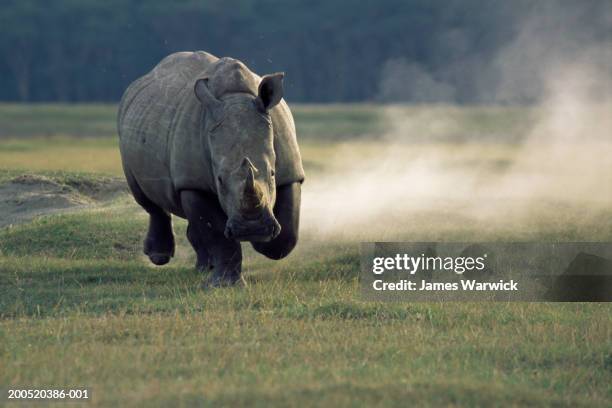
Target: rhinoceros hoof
<point>159,259</point>
<point>157,254</point>
<point>203,264</point>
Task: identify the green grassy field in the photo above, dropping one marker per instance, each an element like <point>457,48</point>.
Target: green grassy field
<point>80,305</point>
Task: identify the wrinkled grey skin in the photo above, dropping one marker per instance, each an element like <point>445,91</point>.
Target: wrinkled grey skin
<point>208,140</point>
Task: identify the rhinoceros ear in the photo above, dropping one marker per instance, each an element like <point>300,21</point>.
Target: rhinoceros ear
<point>204,95</point>
<point>270,91</point>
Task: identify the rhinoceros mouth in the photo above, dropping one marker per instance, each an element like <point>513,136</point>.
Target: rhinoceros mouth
<point>261,230</point>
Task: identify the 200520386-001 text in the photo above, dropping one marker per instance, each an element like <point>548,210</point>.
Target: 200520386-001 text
<point>40,394</point>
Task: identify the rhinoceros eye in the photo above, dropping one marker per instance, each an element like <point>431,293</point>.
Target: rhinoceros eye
<point>220,180</point>
<point>272,173</point>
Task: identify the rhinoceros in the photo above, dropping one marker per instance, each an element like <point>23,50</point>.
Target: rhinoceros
<point>206,139</point>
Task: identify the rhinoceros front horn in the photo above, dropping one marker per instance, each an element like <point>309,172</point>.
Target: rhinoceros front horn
<point>252,195</point>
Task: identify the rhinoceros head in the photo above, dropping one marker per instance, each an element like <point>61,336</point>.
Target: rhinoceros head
<point>240,136</point>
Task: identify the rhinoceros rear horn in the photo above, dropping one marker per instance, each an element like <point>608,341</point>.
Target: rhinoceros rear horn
<point>249,182</point>
<point>246,163</point>
<point>252,194</point>
<point>270,91</point>
<point>204,95</point>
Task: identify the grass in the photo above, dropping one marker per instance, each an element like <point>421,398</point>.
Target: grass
<point>98,155</point>
<point>80,306</point>
<point>18,120</point>
<point>313,122</point>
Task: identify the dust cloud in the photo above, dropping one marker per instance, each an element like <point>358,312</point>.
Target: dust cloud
<point>550,158</point>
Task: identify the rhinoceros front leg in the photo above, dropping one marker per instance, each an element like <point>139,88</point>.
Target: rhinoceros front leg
<point>205,231</point>
<point>287,213</point>
<point>159,243</point>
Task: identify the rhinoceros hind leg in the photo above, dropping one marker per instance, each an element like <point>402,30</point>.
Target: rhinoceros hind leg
<point>159,242</point>
<point>205,231</point>
<point>287,213</point>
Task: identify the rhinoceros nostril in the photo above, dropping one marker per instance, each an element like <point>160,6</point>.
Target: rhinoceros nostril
<point>276,229</point>
<point>228,232</point>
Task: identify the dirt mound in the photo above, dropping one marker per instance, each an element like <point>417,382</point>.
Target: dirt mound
<point>28,196</point>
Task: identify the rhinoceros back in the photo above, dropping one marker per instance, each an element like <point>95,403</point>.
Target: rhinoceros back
<point>155,110</point>
<point>160,123</point>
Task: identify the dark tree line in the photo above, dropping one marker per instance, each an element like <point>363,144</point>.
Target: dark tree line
<point>331,50</point>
